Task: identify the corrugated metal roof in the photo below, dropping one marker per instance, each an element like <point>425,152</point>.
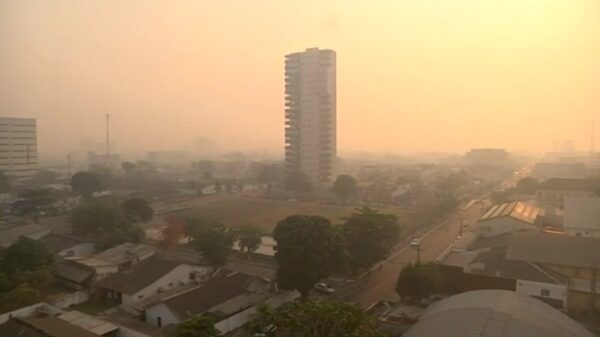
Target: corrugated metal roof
<point>518,210</point>
<point>494,313</point>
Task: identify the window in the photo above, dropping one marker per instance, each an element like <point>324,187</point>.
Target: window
<point>545,292</point>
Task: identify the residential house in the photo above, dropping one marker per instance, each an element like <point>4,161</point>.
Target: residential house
<point>75,275</point>
<point>47,326</point>
<point>10,233</point>
<point>582,216</point>
<point>494,313</point>
<point>577,258</point>
<point>121,257</point>
<point>555,191</point>
<point>506,218</point>
<point>147,278</point>
<point>485,266</point>
<point>230,297</point>
<point>92,324</point>
<point>68,246</point>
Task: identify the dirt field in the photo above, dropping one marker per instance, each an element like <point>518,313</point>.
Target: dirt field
<point>265,213</point>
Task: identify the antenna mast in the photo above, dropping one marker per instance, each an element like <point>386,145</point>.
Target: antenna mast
<point>107,141</point>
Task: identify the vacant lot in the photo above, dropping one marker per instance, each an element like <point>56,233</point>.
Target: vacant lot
<point>265,213</point>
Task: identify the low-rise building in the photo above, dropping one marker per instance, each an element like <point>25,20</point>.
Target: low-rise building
<point>147,278</point>
<point>577,258</point>
<point>555,191</point>
<point>121,257</point>
<point>231,298</point>
<point>506,218</point>
<point>582,216</point>
<point>545,171</point>
<point>68,246</point>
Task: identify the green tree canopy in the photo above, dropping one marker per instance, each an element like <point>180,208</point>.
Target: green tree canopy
<point>344,186</point>
<point>104,221</point>
<point>25,254</point>
<point>314,319</point>
<point>249,238</point>
<point>370,237</point>
<point>418,281</point>
<point>213,239</point>
<point>308,249</point>
<point>85,183</point>
<point>196,326</point>
<point>138,209</point>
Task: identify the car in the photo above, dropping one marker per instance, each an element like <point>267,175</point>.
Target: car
<point>324,288</point>
<point>415,242</point>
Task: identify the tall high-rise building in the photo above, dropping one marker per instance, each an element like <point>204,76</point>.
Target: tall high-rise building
<point>18,147</point>
<point>310,114</point>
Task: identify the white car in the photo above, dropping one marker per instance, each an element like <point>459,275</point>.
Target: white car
<point>415,242</point>
<point>324,288</point>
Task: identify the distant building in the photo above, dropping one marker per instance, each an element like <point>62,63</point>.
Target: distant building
<point>18,147</point>
<point>494,313</point>
<point>506,218</point>
<point>554,191</point>
<point>167,157</point>
<point>544,171</point>
<point>96,159</point>
<point>496,158</point>
<point>310,113</point>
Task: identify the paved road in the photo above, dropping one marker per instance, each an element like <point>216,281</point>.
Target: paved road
<point>382,282</point>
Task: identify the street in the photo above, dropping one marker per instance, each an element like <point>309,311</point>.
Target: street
<point>381,284</point>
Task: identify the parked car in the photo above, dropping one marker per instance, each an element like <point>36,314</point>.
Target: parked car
<point>415,242</point>
<point>324,288</point>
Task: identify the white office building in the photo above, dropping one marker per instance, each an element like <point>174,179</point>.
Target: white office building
<point>18,148</point>
<point>310,113</point>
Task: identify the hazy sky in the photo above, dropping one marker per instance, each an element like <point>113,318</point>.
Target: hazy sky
<point>412,75</point>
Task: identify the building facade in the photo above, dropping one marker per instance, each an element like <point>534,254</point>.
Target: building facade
<point>18,148</point>
<point>310,114</point>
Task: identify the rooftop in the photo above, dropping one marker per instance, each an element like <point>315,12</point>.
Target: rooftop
<point>570,184</point>
<point>554,249</point>
<point>517,210</point>
<point>10,234</point>
<point>582,213</point>
<point>140,276</point>
<point>88,323</point>
<point>125,252</point>
<point>218,290</point>
<point>494,313</point>
<point>59,242</point>
<point>55,327</point>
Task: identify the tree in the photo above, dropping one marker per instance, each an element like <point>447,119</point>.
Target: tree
<point>370,236</point>
<point>128,167</point>
<point>308,249</point>
<point>196,326</point>
<point>214,240</point>
<point>28,261</point>
<point>173,233</point>
<point>138,209</point>
<point>85,183</point>
<point>106,222</point>
<point>418,281</point>
<point>344,186</point>
<point>297,182</point>
<point>21,296</point>
<point>314,319</point>
<point>249,238</point>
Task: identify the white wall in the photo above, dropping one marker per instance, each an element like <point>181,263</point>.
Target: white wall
<point>81,250</point>
<point>29,311</point>
<point>68,300</point>
<point>160,310</point>
<point>530,288</point>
